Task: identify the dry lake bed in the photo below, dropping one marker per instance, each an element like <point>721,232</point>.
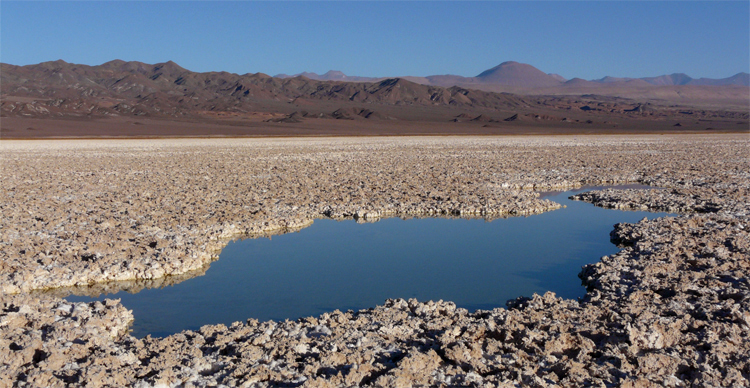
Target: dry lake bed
<point>670,308</point>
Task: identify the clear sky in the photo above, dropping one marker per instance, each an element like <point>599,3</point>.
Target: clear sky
<point>586,39</point>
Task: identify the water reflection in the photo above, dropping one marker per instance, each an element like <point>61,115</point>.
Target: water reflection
<point>339,265</point>
<point>100,290</point>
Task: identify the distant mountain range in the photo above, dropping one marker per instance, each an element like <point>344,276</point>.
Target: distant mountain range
<point>523,75</point>
<point>166,89</point>
<point>115,88</point>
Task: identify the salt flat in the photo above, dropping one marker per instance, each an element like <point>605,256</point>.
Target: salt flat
<point>671,308</point>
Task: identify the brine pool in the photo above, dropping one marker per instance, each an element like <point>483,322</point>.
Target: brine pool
<point>344,265</point>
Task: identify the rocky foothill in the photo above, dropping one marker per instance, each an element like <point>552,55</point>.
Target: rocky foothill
<point>671,308</point>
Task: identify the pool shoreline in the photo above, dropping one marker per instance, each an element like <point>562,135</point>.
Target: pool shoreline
<point>500,260</point>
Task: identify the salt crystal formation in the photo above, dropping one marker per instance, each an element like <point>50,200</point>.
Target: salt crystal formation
<point>670,309</point>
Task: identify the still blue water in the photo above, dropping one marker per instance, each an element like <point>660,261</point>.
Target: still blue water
<point>344,265</point>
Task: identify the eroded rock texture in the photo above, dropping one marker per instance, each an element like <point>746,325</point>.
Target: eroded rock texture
<point>670,309</point>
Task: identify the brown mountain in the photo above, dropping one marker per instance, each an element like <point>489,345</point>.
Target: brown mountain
<point>166,89</point>
<point>520,78</point>
<point>59,99</point>
<point>517,74</point>
<point>514,74</point>
<point>505,75</point>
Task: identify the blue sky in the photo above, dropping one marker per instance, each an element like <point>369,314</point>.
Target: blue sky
<point>575,39</point>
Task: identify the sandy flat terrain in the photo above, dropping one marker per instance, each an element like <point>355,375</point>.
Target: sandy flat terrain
<point>129,127</point>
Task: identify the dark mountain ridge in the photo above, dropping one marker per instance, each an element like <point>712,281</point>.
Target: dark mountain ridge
<point>166,89</point>
<point>35,99</point>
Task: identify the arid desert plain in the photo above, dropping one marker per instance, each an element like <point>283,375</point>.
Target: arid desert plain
<point>672,308</point>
